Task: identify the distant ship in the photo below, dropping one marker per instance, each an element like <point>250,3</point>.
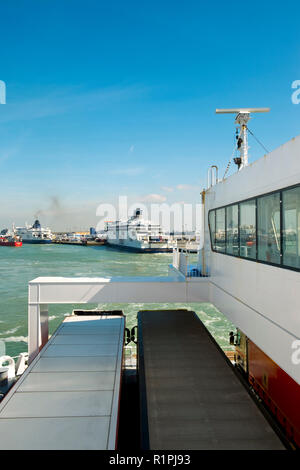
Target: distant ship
<point>138,234</point>
<point>34,233</point>
<point>8,239</point>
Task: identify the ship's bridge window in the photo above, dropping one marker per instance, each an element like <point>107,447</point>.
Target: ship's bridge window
<point>291,227</point>
<point>232,230</point>
<point>248,229</point>
<point>265,228</point>
<point>220,230</point>
<point>268,228</point>
<point>212,227</point>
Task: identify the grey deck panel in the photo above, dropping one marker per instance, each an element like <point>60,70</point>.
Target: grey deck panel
<point>191,397</point>
<point>68,397</point>
<point>85,363</point>
<point>81,350</point>
<point>68,381</point>
<point>62,433</point>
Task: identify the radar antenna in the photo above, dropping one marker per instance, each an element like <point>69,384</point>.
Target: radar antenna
<point>242,117</point>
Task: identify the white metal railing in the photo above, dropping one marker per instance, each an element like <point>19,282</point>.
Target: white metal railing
<point>212,176</point>
<point>182,262</point>
<point>45,291</point>
<point>180,259</point>
<point>176,258</point>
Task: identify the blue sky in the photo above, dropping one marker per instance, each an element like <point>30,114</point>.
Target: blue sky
<point>109,98</point>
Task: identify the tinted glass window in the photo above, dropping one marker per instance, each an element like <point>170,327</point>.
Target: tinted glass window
<point>275,239</point>
<point>212,226</point>
<point>291,227</point>
<point>268,228</point>
<point>248,229</point>
<point>220,230</point>
<point>232,230</point>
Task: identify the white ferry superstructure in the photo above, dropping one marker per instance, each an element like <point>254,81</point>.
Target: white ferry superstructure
<point>138,234</point>
<point>34,234</point>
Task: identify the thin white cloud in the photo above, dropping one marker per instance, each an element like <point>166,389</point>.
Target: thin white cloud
<point>167,188</point>
<point>154,198</point>
<point>131,148</point>
<point>128,171</point>
<point>186,187</point>
<point>61,101</point>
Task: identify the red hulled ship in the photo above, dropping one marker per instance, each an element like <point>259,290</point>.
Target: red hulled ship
<point>10,240</point>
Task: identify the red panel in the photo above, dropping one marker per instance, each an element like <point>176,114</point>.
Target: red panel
<point>277,389</point>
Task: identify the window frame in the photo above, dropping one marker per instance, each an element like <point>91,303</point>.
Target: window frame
<point>255,198</point>
<point>212,242</point>
<point>239,203</point>
<point>279,192</point>
<point>291,268</point>
<point>238,210</point>
<point>221,208</point>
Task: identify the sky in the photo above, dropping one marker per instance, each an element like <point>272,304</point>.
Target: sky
<point>118,98</point>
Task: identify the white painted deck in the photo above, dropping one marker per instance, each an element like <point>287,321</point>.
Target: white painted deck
<point>68,398</point>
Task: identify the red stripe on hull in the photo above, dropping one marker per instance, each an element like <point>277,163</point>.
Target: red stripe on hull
<point>10,243</point>
<point>277,389</point>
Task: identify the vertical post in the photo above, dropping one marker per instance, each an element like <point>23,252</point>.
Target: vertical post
<point>176,257</point>
<point>245,146</point>
<point>37,322</point>
<point>183,263</point>
<point>203,270</point>
<point>33,331</point>
<point>242,119</point>
<point>44,330</point>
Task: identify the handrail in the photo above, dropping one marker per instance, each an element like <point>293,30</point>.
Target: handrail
<point>210,180</point>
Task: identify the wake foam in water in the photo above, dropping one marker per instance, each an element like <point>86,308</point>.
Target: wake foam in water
<point>35,260</point>
<point>216,323</point>
<point>9,332</point>
<point>16,339</point>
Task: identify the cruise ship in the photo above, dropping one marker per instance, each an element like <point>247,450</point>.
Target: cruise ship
<point>34,233</point>
<point>184,394</point>
<point>138,234</point>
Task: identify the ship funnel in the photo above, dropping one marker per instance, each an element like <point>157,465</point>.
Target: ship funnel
<point>137,212</point>
<point>241,119</point>
<point>36,224</point>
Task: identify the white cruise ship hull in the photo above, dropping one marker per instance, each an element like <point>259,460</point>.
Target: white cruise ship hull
<point>141,246</point>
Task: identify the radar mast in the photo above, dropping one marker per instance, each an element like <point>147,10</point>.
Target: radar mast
<point>241,119</point>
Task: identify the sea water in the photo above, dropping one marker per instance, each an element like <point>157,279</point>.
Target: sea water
<point>20,265</point>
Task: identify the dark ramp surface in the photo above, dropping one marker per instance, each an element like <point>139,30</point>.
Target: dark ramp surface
<point>190,396</point>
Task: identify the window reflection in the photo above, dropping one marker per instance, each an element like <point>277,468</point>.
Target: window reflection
<point>248,229</point>
<point>291,227</point>
<point>268,228</point>
<point>220,230</point>
<point>232,230</point>
<point>212,226</point>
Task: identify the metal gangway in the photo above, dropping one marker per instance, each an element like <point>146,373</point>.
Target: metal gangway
<point>68,397</point>
<point>191,398</point>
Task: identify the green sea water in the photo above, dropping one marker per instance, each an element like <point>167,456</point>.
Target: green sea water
<point>20,265</point>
